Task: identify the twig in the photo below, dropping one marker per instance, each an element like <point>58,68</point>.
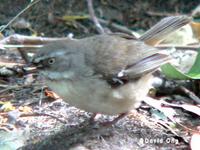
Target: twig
<point>94,18</point>
<point>7,96</point>
<point>19,46</point>
<point>188,47</point>
<point>10,65</point>
<point>44,114</point>
<point>190,94</point>
<point>30,40</point>
<point>41,96</point>
<point>165,124</point>
<point>24,55</point>
<point>6,72</point>
<point>11,21</point>
<point>10,87</point>
<point>13,69</point>
<point>160,14</point>
<point>7,127</point>
<point>36,114</point>
<point>116,26</point>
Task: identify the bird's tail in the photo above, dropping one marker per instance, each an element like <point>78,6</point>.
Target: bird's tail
<point>163,28</point>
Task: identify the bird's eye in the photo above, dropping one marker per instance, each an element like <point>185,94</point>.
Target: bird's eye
<point>51,61</point>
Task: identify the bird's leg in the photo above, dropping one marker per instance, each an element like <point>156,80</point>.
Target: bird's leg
<point>109,123</point>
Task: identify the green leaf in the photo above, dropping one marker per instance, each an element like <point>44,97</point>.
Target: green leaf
<point>173,73</point>
<point>195,70</point>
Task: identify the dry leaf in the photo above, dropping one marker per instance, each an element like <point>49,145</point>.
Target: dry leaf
<point>196,29</point>
<point>51,94</point>
<point>183,36</point>
<point>6,106</point>
<point>25,109</point>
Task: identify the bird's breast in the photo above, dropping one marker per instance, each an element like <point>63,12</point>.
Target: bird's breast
<point>96,95</point>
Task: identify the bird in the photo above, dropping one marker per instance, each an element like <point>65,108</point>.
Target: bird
<point>107,73</point>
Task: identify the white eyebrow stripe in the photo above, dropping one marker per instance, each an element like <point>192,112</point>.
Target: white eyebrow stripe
<point>59,53</point>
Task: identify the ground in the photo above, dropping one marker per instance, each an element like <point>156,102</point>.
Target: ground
<point>56,125</point>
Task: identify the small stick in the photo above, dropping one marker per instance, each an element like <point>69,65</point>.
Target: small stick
<point>160,14</point>
<point>11,21</point>
<point>94,18</point>
<point>22,42</point>
<point>36,114</point>
<point>43,114</point>
<point>187,47</point>
<point>10,65</point>
<point>30,40</point>
<point>116,26</point>
<point>190,94</point>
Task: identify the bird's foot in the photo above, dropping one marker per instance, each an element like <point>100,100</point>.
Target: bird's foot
<point>115,120</point>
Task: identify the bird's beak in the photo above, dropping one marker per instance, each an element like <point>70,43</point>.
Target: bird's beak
<point>30,68</point>
<point>37,64</point>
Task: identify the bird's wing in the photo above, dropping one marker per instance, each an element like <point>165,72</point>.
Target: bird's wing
<point>114,54</point>
<point>145,65</point>
<point>119,55</point>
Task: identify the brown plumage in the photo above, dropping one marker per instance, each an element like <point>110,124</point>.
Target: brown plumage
<point>106,74</point>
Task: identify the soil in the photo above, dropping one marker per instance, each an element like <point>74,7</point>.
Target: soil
<point>136,131</point>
